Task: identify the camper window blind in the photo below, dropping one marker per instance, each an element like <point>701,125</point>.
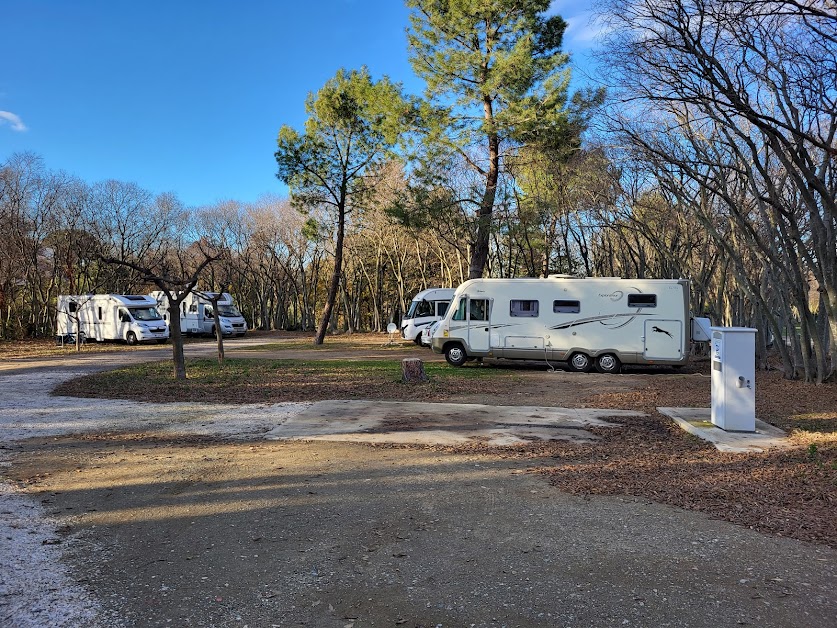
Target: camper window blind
<point>642,300</point>
<point>566,307</point>
<point>521,308</point>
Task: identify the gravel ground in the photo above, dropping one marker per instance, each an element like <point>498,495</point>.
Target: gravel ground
<point>115,514</point>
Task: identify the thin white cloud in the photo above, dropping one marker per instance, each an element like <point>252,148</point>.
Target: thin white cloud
<point>14,121</point>
<point>586,28</point>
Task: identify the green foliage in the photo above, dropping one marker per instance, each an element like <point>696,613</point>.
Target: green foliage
<point>502,54</point>
<point>353,124</point>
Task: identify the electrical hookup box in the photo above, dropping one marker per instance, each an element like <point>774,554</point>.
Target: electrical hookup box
<point>734,378</point>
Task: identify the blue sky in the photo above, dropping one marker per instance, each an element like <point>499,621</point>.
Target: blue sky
<point>188,96</point>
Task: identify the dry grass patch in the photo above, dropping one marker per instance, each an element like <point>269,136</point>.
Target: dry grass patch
<point>273,381</point>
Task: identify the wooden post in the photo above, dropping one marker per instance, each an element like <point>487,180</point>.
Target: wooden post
<point>412,370</point>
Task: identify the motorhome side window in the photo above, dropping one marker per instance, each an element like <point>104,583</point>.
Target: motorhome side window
<point>560,306</point>
<point>193,307</point>
<point>425,308</point>
<point>420,308</point>
<point>479,310</point>
<point>72,306</point>
<point>642,300</point>
<point>100,312</point>
<point>207,312</point>
<point>522,308</point>
<point>442,308</point>
<point>459,314</point>
<point>123,316</point>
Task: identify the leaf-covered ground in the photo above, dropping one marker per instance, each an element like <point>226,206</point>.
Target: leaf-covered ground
<point>790,493</point>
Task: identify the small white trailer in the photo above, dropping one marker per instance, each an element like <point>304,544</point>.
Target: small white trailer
<point>585,322</point>
<point>197,316</point>
<point>129,317</point>
<point>427,307</point>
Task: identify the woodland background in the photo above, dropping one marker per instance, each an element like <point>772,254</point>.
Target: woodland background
<point>709,153</point>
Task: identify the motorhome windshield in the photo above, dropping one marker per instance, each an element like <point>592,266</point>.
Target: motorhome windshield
<point>420,308</point>
<point>228,310</point>
<point>145,313</point>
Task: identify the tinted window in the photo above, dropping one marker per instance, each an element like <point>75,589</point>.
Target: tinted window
<point>566,307</point>
<point>459,314</point>
<point>479,310</point>
<point>642,300</point>
<point>519,307</point>
<point>442,307</point>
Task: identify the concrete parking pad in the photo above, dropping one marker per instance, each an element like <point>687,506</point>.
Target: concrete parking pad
<point>440,423</point>
<point>698,421</point>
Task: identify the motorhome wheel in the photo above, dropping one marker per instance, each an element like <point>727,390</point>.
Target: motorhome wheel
<point>455,355</point>
<point>608,363</point>
<point>131,338</point>
<point>580,362</point>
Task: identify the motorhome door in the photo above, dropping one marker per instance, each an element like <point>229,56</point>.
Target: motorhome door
<point>663,340</point>
<point>479,313</point>
<point>123,322</point>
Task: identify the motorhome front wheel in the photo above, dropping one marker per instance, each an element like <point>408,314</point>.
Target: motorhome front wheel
<point>455,355</point>
<point>131,338</point>
<point>579,362</point>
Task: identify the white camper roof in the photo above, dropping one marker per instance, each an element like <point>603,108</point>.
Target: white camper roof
<point>134,300</point>
<point>435,294</point>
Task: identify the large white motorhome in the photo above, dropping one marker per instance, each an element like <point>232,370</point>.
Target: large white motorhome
<point>597,322</point>
<point>197,316</point>
<point>129,317</point>
<point>427,307</point>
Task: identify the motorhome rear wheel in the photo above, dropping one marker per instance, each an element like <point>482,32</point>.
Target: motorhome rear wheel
<point>608,363</point>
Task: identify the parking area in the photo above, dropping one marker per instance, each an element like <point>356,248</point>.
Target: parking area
<point>365,513</point>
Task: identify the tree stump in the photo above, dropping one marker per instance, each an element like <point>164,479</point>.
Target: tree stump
<point>412,370</point>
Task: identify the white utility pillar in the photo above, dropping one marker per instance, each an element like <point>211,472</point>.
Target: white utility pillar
<point>734,378</point>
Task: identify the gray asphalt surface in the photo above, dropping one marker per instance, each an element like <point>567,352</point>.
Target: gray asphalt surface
<point>165,530</point>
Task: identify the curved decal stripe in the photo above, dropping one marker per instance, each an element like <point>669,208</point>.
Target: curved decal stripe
<point>599,319</point>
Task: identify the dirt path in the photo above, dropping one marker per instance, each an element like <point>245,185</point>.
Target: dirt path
<point>147,526</point>
<point>200,533</point>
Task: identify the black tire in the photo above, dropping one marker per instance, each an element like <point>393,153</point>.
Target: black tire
<point>455,354</point>
<point>417,339</point>
<point>608,363</point>
<point>580,362</point>
<point>131,338</point>
<point>162,341</point>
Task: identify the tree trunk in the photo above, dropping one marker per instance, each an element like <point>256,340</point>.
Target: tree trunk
<point>412,370</point>
<point>331,299</point>
<point>219,335</point>
<point>177,341</point>
<point>479,254</point>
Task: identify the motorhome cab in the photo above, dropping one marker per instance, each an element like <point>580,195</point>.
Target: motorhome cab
<point>598,322</point>
<point>129,317</point>
<point>427,307</point>
<point>197,316</point>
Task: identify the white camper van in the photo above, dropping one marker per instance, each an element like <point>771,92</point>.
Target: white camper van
<point>129,317</point>
<point>197,317</point>
<point>598,322</point>
<point>427,307</point>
